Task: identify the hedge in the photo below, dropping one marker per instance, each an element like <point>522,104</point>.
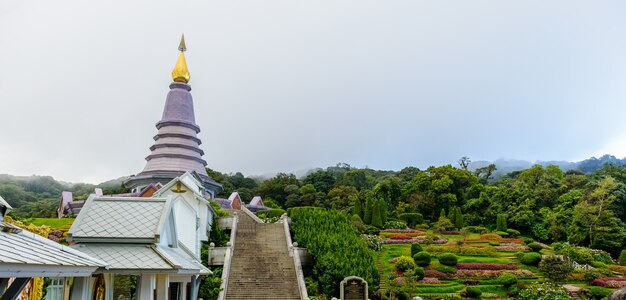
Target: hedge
<point>336,245</point>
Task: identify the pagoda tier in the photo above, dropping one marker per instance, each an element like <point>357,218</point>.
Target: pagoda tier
<point>176,149</point>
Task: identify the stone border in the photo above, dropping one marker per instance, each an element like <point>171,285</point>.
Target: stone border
<point>296,258</point>
<point>251,214</point>
<point>228,258</point>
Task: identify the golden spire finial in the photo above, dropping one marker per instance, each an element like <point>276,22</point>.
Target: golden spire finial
<point>180,72</point>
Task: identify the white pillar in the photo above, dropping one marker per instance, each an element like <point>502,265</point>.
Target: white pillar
<point>162,286</point>
<point>147,285</point>
<point>183,290</point>
<point>81,289</point>
<point>108,286</point>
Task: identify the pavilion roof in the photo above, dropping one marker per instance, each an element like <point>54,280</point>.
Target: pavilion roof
<point>25,254</point>
<point>144,258</point>
<point>119,219</point>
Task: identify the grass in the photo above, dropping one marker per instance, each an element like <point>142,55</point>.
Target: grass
<point>484,259</point>
<point>63,224</point>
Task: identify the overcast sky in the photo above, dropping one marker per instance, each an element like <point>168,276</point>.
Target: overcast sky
<point>290,85</point>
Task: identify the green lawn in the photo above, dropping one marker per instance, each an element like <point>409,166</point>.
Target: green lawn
<point>63,224</point>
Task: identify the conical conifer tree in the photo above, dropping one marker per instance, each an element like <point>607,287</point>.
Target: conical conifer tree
<point>376,215</point>
<point>358,208</point>
<point>369,206</point>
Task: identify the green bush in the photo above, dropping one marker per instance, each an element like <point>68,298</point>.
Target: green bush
<point>519,255</point>
<point>405,263</point>
<point>599,292</point>
<point>535,247</point>
<point>448,259</point>
<point>445,269</point>
<point>416,248</point>
<point>465,251</point>
<point>476,229</point>
<point>531,259</point>
<point>555,267</point>
<point>422,259</point>
<point>622,258</point>
<point>411,219</point>
<point>507,279</point>
<point>472,292</point>
<point>395,225</point>
<point>418,273</point>
<point>527,240</point>
<point>270,213</point>
<point>336,245</point>
<point>371,230</point>
<point>513,232</point>
<point>543,291</point>
<point>502,233</point>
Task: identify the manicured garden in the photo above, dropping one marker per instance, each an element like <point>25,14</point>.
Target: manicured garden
<point>415,262</point>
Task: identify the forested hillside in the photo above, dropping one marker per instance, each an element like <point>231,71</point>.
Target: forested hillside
<point>544,203</point>
<point>38,196</point>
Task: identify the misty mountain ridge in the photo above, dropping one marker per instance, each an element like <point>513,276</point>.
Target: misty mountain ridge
<point>505,166</point>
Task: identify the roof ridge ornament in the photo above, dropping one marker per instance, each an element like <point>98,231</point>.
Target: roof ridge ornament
<point>180,72</point>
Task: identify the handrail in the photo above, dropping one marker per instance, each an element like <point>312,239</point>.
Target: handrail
<point>296,259</point>
<point>251,214</point>
<point>228,258</point>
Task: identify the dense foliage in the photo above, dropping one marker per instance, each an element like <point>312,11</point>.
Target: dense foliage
<point>336,245</point>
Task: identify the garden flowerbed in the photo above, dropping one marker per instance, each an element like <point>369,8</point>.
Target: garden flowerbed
<point>511,247</point>
<point>610,282</point>
<point>411,241</point>
<point>491,273</point>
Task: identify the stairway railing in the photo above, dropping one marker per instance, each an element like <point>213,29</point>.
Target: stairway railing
<point>228,258</point>
<point>251,214</point>
<point>296,259</point>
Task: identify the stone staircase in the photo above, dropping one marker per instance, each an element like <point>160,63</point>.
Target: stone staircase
<point>261,267</point>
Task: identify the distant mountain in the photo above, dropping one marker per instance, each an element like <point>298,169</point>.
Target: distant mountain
<point>505,166</point>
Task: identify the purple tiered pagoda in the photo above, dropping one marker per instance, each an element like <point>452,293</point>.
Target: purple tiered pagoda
<point>176,148</point>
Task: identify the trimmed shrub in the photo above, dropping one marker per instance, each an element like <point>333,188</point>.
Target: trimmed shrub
<point>418,273</point>
<point>556,268</point>
<point>445,269</point>
<point>411,219</point>
<point>328,234</point>
<point>422,259</point>
<point>531,259</point>
<point>448,259</point>
<point>405,263</point>
<point>395,225</point>
<point>535,247</point>
<point>622,258</point>
<point>507,280</point>
<point>599,292</point>
<point>472,292</point>
<point>415,249</point>
<point>476,229</point>
<point>527,240</point>
<point>502,233</point>
<point>270,213</point>
<point>513,232</point>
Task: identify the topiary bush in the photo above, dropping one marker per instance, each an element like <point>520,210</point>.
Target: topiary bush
<point>502,233</point>
<point>422,259</point>
<point>445,269</point>
<point>270,213</point>
<point>622,258</point>
<point>531,259</point>
<point>418,273</point>
<point>507,279</point>
<point>405,263</point>
<point>448,259</point>
<point>513,232</point>
<point>471,291</point>
<point>527,240</point>
<point>415,249</point>
<point>535,247</point>
<point>411,219</point>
